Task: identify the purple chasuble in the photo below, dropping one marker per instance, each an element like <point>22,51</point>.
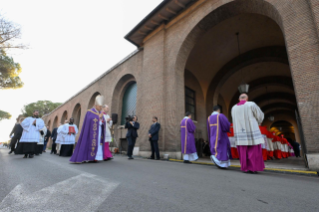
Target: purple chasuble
<point>187,136</point>
<point>86,148</point>
<point>217,128</point>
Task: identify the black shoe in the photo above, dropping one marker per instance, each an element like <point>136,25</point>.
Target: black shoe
<point>25,156</point>
<point>130,158</point>
<point>31,156</point>
<point>10,152</point>
<point>187,161</point>
<point>51,153</point>
<point>37,154</point>
<point>157,159</point>
<point>151,158</point>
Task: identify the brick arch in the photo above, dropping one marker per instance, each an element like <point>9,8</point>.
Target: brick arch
<point>123,83</point>
<point>296,22</point>
<point>266,54</point>
<point>64,117</point>
<point>92,99</point>
<point>55,122</point>
<point>264,82</point>
<point>76,114</point>
<point>279,105</point>
<point>49,124</point>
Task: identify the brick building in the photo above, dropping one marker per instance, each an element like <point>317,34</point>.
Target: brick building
<point>189,57</point>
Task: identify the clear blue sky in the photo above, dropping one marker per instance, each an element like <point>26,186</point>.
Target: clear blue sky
<point>71,43</point>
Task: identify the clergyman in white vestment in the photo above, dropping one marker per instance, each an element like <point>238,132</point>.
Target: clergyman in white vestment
<point>30,136</point>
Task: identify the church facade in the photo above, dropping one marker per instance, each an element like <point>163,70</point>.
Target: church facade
<point>193,54</point>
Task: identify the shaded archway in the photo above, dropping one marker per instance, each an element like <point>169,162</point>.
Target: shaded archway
<point>49,124</point>
<point>92,100</point>
<point>64,117</point>
<point>129,101</point>
<point>77,114</point>
<point>283,127</point>
<point>118,94</point>
<point>55,122</point>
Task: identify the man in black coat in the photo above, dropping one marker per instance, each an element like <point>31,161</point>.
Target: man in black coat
<point>153,138</point>
<point>17,133</point>
<point>132,127</point>
<point>46,138</point>
<point>54,134</point>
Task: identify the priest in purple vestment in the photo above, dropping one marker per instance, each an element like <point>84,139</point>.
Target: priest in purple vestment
<point>187,139</point>
<point>217,128</point>
<point>90,146</point>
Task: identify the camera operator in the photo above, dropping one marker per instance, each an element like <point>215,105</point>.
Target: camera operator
<point>132,126</point>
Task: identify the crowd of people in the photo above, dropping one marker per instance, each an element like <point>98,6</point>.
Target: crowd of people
<point>244,139</point>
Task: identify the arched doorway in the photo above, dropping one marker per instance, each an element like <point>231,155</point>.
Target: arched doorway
<point>129,101</point>
<point>55,123</point>
<point>64,117</point>
<point>283,128</point>
<point>49,124</point>
<point>92,100</point>
<point>118,95</point>
<point>77,114</point>
<point>234,48</point>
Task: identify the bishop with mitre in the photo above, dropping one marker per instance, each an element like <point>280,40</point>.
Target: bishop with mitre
<point>90,145</point>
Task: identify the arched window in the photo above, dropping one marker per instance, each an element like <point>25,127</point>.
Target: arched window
<point>77,115</point>
<point>129,102</point>
<point>64,117</point>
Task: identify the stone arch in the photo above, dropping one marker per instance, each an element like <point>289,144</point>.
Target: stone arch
<point>265,54</point>
<point>279,13</point>
<point>55,122</point>
<point>118,94</point>
<point>92,100</point>
<point>64,117</point>
<point>49,124</point>
<point>77,114</point>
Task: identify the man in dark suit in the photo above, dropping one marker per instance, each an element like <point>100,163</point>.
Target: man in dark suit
<point>54,134</point>
<point>153,138</point>
<point>132,127</point>
<point>17,133</point>
<point>46,138</point>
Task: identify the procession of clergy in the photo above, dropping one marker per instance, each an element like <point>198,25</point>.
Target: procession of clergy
<point>93,143</point>
<point>244,139</point>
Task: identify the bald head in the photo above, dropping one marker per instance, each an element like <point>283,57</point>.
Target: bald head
<point>243,97</point>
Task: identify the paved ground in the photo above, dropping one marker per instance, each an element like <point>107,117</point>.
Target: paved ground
<point>292,163</point>
<point>50,183</point>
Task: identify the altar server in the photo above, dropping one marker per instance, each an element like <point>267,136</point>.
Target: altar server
<point>217,127</point>
<point>247,117</point>
<point>40,144</point>
<point>30,136</point>
<point>108,136</point>
<point>69,130</point>
<point>90,146</point>
<point>60,138</point>
<point>187,139</point>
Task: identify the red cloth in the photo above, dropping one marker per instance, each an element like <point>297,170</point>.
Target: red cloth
<point>231,133</point>
<point>251,158</point>
<point>234,153</point>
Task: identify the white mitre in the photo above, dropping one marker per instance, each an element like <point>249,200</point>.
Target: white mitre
<point>99,100</point>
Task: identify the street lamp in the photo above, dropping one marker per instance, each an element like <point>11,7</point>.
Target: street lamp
<point>243,88</point>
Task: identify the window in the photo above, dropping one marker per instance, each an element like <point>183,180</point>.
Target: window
<point>190,101</point>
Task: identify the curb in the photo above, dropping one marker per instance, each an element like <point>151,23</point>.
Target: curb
<point>283,171</point>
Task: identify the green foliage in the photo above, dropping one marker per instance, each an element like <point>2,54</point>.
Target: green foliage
<point>43,107</point>
<point>9,72</point>
<point>4,115</point>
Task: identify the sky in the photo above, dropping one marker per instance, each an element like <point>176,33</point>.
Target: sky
<point>71,43</point>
